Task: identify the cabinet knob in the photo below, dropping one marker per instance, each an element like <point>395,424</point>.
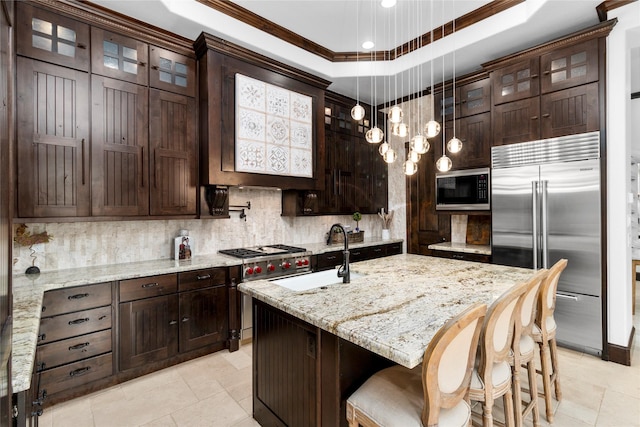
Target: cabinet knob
<point>185,319</point>
<point>546,115</point>
<point>173,322</point>
<point>204,277</point>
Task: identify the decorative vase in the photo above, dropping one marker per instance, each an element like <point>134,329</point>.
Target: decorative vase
<point>386,234</point>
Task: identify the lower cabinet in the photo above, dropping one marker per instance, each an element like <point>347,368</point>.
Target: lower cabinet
<point>95,336</point>
<point>329,260</point>
<point>75,343</point>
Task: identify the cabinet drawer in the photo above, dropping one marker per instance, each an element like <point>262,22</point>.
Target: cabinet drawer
<point>462,256</point>
<point>360,254</point>
<point>393,249</point>
<point>147,287</point>
<point>76,374</point>
<point>74,299</point>
<point>328,260</point>
<point>72,324</point>
<point>73,349</point>
<point>199,279</point>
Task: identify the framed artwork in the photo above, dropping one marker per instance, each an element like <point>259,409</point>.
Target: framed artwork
<point>273,129</point>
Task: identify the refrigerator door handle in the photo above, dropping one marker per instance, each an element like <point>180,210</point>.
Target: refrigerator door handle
<point>534,224</point>
<point>566,296</point>
<point>545,234</point>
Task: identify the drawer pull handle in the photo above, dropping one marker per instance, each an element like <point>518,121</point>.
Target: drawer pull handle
<point>40,366</point>
<point>78,321</point>
<point>545,115</point>
<point>80,371</point>
<point>377,250</point>
<point>42,337</point>
<point>102,317</point>
<point>173,322</point>
<point>150,285</point>
<point>206,276</point>
<point>78,346</point>
<point>458,256</point>
<point>185,319</point>
<point>78,296</point>
<point>331,258</point>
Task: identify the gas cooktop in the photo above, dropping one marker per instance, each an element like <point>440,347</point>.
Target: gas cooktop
<point>258,251</point>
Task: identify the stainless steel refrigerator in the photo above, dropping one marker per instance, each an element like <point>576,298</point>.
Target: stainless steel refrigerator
<point>545,205</point>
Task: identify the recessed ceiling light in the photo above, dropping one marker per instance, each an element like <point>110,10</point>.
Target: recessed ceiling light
<point>388,3</point>
<point>368,45</point>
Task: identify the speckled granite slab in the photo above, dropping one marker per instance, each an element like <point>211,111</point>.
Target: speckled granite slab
<point>28,292</point>
<point>461,247</point>
<point>398,305</point>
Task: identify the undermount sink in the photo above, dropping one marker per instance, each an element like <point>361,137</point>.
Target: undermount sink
<point>308,281</point>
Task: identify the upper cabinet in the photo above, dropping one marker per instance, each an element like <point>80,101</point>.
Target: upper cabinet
<point>53,140</point>
<point>571,66</point>
<point>516,81</point>
<point>50,37</point>
<point>261,121</point>
<point>120,57</point>
<point>119,141</point>
<point>172,72</point>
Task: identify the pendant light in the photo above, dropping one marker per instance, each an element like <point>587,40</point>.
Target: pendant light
<point>454,145</point>
<point>443,164</point>
<point>395,113</point>
<point>432,128</point>
<point>357,112</point>
<point>375,134</point>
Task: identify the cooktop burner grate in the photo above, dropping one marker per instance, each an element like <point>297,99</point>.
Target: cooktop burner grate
<point>262,251</point>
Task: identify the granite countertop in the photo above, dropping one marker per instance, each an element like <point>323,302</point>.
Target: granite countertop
<point>461,247</point>
<point>398,304</point>
<point>28,292</point>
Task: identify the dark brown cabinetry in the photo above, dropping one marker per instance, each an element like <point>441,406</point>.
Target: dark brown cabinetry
<point>173,314</point>
<point>50,37</point>
<point>475,97</point>
<point>355,175</point>
<point>547,96</point>
<point>172,145</point>
<point>53,140</point>
<point>119,57</point>
<point>329,260</point>
<point>475,134</point>
<point>516,81</point>
<point>462,256</point>
<point>119,147</point>
<point>74,342</point>
<point>135,155</point>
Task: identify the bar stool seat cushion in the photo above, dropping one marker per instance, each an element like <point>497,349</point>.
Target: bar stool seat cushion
<point>550,325</point>
<point>527,345</point>
<point>403,396</point>
<point>500,375</point>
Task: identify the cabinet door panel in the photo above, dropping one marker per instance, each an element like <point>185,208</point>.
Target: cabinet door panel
<point>171,71</point>
<point>120,57</point>
<point>572,66</point>
<point>517,81</point>
<point>119,135</point>
<point>475,98</point>
<point>148,331</point>
<point>517,121</point>
<point>570,111</point>
<point>52,37</point>
<point>53,140</point>
<point>172,142</point>
<point>203,318</point>
<point>475,134</point>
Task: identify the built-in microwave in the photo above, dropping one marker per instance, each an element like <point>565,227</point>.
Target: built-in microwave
<point>463,190</point>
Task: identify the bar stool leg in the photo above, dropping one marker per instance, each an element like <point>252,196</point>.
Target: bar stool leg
<point>546,379</point>
<point>555,376</point>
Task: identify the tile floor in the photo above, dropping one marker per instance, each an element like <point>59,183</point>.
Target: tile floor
<point>215,390</point>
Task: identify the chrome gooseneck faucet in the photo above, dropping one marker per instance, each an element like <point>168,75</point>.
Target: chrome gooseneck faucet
<point>343,271</point>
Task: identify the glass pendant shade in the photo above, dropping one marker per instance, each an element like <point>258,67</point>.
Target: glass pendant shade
<point>384,147</point>
<point>374,135</point>
<point>390,156</point>
<point>454,145</point>
<point>410,167</point>
<point>395,114</point>
<point>443,164</point>
<point>414,156</point>
<point>357,112</point>
<point>432,128</point>
<point>401,130</point>
<point>419,144</point>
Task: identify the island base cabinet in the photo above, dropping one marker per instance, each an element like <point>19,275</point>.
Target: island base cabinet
<point>303,375</point>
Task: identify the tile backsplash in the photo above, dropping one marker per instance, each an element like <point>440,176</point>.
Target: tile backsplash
<point>80,244</point>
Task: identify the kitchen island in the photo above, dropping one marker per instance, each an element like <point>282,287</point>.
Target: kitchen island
<point>313,348</point>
